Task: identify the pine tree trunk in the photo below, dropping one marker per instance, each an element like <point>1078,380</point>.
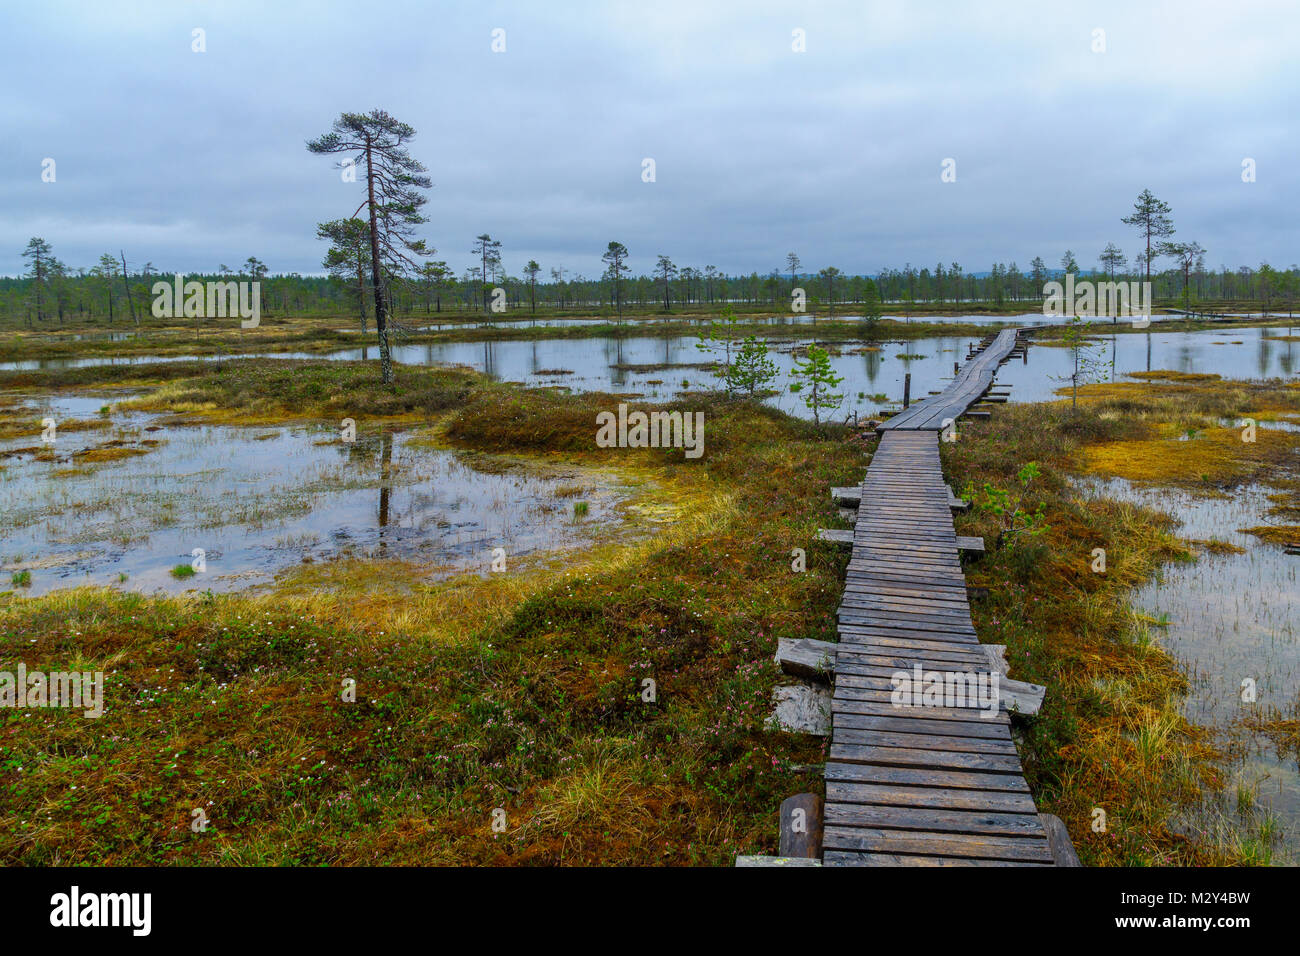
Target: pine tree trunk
<point>381,307</point>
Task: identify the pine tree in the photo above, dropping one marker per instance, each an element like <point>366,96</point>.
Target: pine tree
<point>1151,216</point>
<point>41,255</point>
<point>817,380</point>
<point>392,203</point>
<point>752,369</point>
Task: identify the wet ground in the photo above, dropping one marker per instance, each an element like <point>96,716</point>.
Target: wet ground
<point>1232,621</point>
<point>257,501</point>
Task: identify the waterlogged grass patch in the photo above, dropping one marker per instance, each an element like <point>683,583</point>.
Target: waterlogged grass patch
<point>113,451</point>
<point>261,392</point>
<point>1275,534</point>
<point>1213,456</point>
<point>1167,375</point>
<point>30,425</point>
<point>1215,546</point>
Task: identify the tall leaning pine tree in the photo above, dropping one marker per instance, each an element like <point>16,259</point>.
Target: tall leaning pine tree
<point>393,180</point>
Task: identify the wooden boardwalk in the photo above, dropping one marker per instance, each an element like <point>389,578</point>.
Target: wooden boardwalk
<point>970,383</point>
<point>915,785</point>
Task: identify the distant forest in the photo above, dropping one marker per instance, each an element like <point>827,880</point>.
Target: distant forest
<point>50,292</point>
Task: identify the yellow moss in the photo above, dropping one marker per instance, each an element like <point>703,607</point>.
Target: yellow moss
<point>1215,455</point>
<point>1166,375</point>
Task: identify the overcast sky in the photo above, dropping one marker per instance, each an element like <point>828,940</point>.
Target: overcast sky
<point>188,160</point>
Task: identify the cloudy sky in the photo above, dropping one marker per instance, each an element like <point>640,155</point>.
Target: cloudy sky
<point>188,160</point>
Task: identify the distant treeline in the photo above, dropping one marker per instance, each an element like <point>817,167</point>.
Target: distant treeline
<point>51,292</point>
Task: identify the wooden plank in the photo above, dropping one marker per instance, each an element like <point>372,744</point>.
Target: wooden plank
<point>926,741</point>
<point>884,707</point>
<point>920,778</point>
<point>802,819</point>
<point>917,724</point>
<point>935,629</point>
<point>929,669</point>
<point>1032,849</point>
<point>851,858</point>
<point>925,642</point>
<point>939,759</point>
<point>933,820</point>
<point>856,656</point>
<point>933,797</point>
<point>1058,841</point>
<point>856,667</point>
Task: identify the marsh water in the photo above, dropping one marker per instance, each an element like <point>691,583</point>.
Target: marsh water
<point>258,501</point>
<point>1232,621</point>
<point>662,368</point>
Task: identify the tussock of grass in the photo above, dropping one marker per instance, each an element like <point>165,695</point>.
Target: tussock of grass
<point>111,451</point>
<point>1167,375</point>
<point>1275,534</point>
<point>29,425</point>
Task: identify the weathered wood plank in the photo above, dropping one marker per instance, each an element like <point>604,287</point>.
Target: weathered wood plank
<point>851,858</point>
<point>924,777</point>
<point>978,846</point>
<point>939,759</point>
<point>933,797</point>
<point>932,820</point>
<point>1058,841</point>
<point>802,819</point>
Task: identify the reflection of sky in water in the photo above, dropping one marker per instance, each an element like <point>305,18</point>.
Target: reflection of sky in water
<point>1258,353</point>
<point>1231,617</point>
<point>258,500</point>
